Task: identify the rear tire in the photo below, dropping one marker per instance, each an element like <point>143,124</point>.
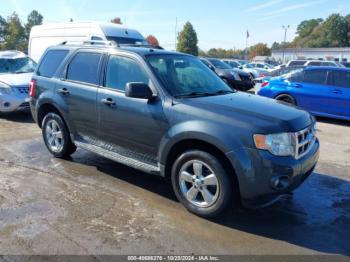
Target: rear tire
<point>201,183</point>
<point>288,99</point>
<point>56,136</point>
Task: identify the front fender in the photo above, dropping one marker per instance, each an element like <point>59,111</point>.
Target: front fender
<point>219,136</point>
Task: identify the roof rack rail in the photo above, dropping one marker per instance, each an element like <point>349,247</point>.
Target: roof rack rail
<point>91,42</point>
<point>142,45</point>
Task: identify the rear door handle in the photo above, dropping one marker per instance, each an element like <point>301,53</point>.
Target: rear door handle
<point>298,85</point>
<point>337,91</point>
<point>63,91</point>
<point>108,102</point>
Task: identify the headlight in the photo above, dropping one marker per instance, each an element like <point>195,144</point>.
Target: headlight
<point>4,88</point>
<point>236,76</point>
<point>278,144</point>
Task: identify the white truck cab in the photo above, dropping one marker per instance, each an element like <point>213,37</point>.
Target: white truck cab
<point>43,36</point>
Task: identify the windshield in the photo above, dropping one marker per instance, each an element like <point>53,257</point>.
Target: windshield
<point>125,40</point>
<point>17,66</point>
<point>185,75</point>
<point>219,64</point>
<point>248,66</point>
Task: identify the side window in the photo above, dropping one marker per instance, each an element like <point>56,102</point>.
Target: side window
<point>341,79</point>
<point>123,70</point>
<point>315,77</point>
<point>314,64</point>
<point>84,68</point>
<point>51,62</point>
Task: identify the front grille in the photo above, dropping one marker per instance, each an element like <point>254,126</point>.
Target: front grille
<point>23,89</point>
<point>24,106</point>
<point>245,77</point>
<point>304,141</point>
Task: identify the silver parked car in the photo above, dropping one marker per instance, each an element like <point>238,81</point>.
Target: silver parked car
<point>16,71</point>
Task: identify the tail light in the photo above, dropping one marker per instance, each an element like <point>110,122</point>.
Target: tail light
<point>32,88</point>
<point>262,75</point>
<point>265,84</point>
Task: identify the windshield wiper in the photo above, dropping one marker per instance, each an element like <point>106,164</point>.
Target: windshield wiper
<point>200,94</point>
<point>222,92</point>
<point>193,94</point>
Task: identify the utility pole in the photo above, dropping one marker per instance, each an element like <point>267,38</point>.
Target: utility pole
<point>285,28</point>
<point>175,33</point>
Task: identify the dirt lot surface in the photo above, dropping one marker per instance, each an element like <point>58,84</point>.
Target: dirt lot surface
<point>90,205</point>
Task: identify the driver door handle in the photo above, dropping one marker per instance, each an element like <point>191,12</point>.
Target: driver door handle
<point>337,91</point>
<point>108,102</point>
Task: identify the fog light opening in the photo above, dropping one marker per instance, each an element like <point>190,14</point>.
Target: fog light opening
<point>280,183</point>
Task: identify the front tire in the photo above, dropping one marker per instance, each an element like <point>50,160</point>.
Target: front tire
<point>201,183</point>
<point>56,136</point>
<point>288,99</point>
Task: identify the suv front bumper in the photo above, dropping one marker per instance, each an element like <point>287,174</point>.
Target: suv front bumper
<point>263,177</point>
<point>14,102</point>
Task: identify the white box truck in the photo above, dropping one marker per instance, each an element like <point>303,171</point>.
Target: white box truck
<point>43,36</point>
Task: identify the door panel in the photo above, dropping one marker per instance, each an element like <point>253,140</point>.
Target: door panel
<point>135,125</point>
<point>79,91</point>
<point>312,93</point>
<point>339,102</point>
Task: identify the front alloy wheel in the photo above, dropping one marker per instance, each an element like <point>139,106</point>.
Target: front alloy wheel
<point>201,183</point>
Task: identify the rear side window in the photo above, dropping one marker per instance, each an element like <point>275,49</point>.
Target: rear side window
<point>341,79</point>
<point>84,68</point>
<point>123,70</point>
<point>315,77</point>
<point>296,63</point>
<point>51,62</point>
<point>314,64</point>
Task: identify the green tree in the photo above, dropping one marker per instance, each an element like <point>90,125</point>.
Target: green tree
<point>34,18</point>
<point>187,40</point>
<point>14,37</point>
<point>336,31</point>
<point>259,49</point>
<point>306,27</point>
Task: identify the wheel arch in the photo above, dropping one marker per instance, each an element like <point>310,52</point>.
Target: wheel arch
<point>286,94</point>
<point>197,144</point>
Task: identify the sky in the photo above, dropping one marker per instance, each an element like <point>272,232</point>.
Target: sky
<point>218,23</point>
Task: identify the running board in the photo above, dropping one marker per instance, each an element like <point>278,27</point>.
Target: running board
<point>134,163</point>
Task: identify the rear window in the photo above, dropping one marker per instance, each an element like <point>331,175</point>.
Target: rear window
<point>315,77</point>
<point>51,62</point>
<point>84,68</point>
<point>314,63</point>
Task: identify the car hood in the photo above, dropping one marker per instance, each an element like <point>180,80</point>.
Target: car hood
<point>16,79</point>
<point>228,72</point>
<point>258,114</point>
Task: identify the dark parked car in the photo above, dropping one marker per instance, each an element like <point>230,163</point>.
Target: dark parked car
<point>323,91</point>
<point>235,78</point>
<point>346,64</point>
<point>168,114</point>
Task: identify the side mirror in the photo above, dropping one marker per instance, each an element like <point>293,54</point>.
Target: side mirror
<point>138,90</point>
<point>212,68</point>
<point>240,67</point>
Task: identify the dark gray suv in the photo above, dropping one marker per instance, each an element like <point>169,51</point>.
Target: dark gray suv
<point>168,114</point>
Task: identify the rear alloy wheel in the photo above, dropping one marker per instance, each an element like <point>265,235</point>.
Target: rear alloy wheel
<point>56,136</point>
<point>201,183</point>
<point>286,99</point>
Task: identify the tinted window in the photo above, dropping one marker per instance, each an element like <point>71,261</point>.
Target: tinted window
<point>51,62</point>
<point>295,63</point>
<point>328,64</point>
<point>84,68</point>
<point>315,76</point>
<point>123,70</point>
<point>314,63</point>
<point>341,79</point>
<point>218,64</point>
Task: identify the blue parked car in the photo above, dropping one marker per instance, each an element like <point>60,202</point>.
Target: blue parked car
<point>323,91</point>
